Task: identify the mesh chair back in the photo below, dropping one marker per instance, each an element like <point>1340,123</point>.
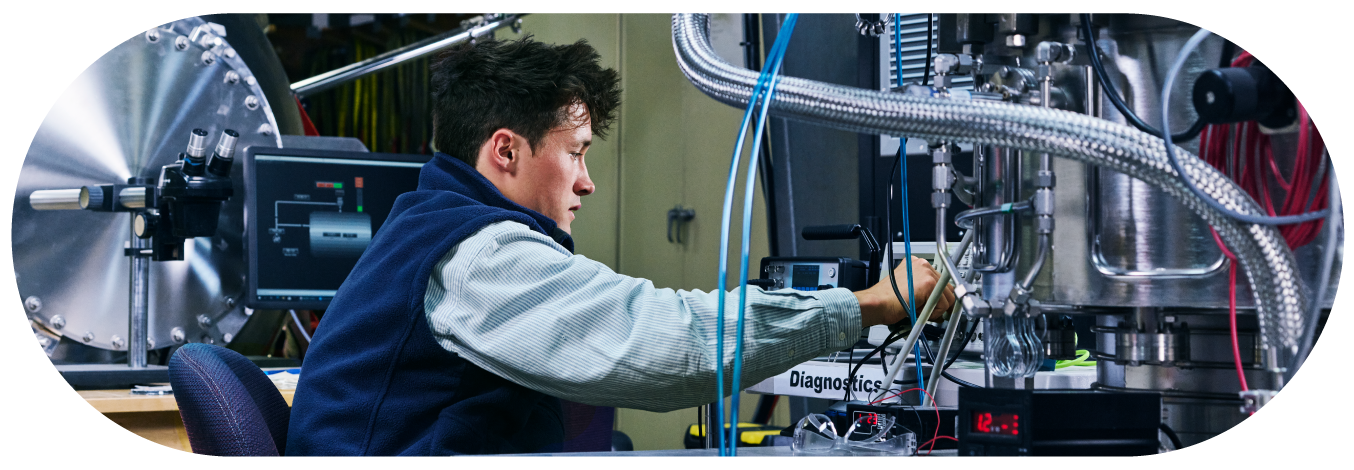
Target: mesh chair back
<point>587,428</point>
<point>228,405</point>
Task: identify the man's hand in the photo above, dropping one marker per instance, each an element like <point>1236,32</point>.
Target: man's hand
<point>880,306</point>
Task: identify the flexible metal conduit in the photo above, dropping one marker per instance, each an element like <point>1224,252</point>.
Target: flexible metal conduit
<point>1268,262</point>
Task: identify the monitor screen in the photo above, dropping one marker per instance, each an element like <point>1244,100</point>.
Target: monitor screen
<point>310,214</point>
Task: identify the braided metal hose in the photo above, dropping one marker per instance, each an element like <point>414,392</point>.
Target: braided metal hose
<point>1269,264</point>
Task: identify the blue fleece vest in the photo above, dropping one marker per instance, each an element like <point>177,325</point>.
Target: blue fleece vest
<point>375,381</point>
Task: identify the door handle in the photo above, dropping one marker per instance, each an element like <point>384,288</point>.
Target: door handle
<point>679,216</point>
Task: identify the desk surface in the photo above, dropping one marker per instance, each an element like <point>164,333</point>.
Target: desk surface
<point>122,401</point>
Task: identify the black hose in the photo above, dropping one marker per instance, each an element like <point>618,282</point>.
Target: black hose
<point>1170,434</point>
<point>1113,93</point>
<point>930,30</point>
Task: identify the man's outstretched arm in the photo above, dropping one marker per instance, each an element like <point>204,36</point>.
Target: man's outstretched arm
<point>512,302</point>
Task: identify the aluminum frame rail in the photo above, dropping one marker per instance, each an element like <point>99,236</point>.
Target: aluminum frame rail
<point>396,57</point>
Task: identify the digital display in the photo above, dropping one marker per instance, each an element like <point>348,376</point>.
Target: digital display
<point>867,423</point>
<point>313,217</point>
<point>996,423</point>
<point>804,277</point>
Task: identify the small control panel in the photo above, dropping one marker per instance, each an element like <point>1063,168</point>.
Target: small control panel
<point>813,273</point>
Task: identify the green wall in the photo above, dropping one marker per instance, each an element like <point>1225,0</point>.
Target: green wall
<point>671,146</point>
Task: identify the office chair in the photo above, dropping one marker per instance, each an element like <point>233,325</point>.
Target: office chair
<point>229,407</point>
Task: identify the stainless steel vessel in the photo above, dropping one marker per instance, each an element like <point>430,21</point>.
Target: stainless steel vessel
<point>126,116</point>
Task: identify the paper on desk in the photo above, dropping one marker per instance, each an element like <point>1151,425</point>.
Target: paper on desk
<point>284,380</point>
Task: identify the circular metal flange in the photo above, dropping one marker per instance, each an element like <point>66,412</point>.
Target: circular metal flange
<point>127,115</point>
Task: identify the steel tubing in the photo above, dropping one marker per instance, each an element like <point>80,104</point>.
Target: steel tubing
<point>396,57</point>
<point>1267,260</point>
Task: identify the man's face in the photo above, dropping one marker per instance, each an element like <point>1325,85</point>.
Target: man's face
<point>553,179</point>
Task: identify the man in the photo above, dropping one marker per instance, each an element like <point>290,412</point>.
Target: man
<point>469,315</point>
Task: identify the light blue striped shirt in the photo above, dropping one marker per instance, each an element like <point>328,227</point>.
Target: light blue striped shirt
<point>515,303</point>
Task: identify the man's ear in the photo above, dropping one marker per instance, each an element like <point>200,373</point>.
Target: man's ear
<point>501,152</point>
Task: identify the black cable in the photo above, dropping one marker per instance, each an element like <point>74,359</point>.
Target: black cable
<point>930,30</point>
<point>851,380</point>
<point>884,362</point>
<point>930,357</point>
<point>944,371</point>
<point>921,424</point>
<point>1170,434</point>
<point>700,425</point>
<point>888,226</point>
<point>1089,31</point>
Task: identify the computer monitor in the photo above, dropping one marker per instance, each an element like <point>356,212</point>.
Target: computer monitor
<point>309,215</point>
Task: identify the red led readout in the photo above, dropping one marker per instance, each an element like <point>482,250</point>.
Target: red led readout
<point>996,423</point>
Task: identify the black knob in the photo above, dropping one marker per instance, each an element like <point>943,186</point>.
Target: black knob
<point>144,224</point>
<point>1240,94</point>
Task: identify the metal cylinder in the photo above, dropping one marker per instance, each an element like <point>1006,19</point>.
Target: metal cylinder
<point>138,305</point>
<point>134,198</point>
<point>197,144</point>
<point>55,199</point>
<point>224,155</point>
<point>339,234</point>
<point>996,172</point>
<point>225,148</point>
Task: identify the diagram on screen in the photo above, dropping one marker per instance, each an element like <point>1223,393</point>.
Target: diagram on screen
<point>333,232</point>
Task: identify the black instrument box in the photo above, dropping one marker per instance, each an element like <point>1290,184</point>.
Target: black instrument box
<point>1057,422</point>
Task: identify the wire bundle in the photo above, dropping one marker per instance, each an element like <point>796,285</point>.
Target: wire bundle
<point>902,179</point>
<point>1246,155</point>
<point>726,439</point>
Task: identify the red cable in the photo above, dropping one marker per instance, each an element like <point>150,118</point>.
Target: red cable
<point>1231,307</point>
<point>1231,317</point>
<point>933,405</point>
<point>891,396</point>
<point>933,440</point>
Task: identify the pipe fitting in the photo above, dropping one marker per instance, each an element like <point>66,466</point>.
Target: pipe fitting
<point>1268,262</point>
<point>1043,202</point>
<point>1049,51</point>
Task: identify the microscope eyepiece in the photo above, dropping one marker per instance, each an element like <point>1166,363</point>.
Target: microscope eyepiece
<point>197,144</point>
<point>225,154</point>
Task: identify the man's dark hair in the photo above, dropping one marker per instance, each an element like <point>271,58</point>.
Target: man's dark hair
<point>523,86</point>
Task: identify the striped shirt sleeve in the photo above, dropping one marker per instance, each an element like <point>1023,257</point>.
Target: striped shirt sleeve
<point>515,303</point>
